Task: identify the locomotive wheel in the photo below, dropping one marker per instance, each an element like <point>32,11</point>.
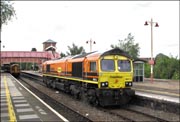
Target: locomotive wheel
<point>77,96</point>
<point>48,85</point>
<point>75,92</point>
<point>53,84</point>
<point>95,103</point>
<point>92,99</point>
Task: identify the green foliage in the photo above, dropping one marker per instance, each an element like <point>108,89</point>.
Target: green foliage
<point>128,45</point>
<point>34,49</point>
<point>62,55</point>
<point>28,66</point>
<point>176,75</point>
<point>165,67</point>
<point>147,70</point>
<point>75,50</point>
<point>7,12</point>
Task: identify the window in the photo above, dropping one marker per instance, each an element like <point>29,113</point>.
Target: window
<point>124,65</point>
<point>107,65</point>
<point>92,66</point>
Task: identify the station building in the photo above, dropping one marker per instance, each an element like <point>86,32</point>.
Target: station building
<point>139,70</point>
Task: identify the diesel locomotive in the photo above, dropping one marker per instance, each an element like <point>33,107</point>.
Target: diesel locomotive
<point>15,70</point>
<point>12,68</point>
<point>100,78</point>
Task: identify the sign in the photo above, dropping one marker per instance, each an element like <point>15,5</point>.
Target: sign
<point>151,62</point>
<point>59,69</point>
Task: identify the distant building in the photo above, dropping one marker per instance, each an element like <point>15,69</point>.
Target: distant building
<point>49,45</point>
<point>139,69</point>
<point>48,53</point>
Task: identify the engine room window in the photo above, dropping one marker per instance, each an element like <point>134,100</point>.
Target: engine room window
<point>107,65</point>
<point>92,66</point>
<point>124,65</point>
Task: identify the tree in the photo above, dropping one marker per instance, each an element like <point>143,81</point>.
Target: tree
<point>161,68</point>
<point>128,45</point>
<point>7,12</point>
<point>33,49</point>
<point>75,50</point>
<point>165,67</point>
<point>62,55</point>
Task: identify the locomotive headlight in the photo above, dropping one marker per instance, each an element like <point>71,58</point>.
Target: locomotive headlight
<point>104,84</point>
<point>128,84</point>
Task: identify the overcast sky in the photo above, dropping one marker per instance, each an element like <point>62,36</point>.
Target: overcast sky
<point>106,22</point>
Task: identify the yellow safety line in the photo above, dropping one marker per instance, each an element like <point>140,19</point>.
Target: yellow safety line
<point>76,79</point>
<point>151,91</point>
<point>10,106</point>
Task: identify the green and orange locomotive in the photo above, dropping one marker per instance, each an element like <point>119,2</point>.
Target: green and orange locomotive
<point>102,78</point>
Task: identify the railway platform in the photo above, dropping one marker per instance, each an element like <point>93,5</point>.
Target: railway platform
<point>20,104</point>
<point>166,90</point>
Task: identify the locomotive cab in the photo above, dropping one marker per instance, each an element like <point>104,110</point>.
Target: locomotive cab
<point>115,80</point>
<point>115,72</point>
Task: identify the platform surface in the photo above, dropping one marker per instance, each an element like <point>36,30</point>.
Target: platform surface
<point>18,104</point>
<point>166,90</point>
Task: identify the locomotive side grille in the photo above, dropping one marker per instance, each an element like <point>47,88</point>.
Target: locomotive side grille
<point>77,69</point>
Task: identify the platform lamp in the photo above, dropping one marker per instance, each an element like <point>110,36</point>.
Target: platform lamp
<point>151,62</point>
<point>90,42</point>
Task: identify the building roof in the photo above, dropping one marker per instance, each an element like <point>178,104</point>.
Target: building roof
<point>25,54</point>
<point>50,47</point>
<point>49,41</point>
<point>140,59</point>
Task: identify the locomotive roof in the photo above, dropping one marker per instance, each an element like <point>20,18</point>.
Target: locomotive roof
<point>83,55</point>
<point>116,51</point>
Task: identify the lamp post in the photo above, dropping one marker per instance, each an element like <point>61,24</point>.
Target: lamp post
<point>90,42</point>
<point>0,58</point>
<point>151,62</point>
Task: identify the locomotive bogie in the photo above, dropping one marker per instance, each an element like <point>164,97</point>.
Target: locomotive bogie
<point>109,97</point>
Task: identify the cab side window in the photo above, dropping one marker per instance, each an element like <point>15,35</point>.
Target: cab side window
<point>92,66</point>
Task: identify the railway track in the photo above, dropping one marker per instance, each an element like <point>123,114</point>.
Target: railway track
<point>136,115</point>
<point>55,104</point>
<point>84,112</point>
